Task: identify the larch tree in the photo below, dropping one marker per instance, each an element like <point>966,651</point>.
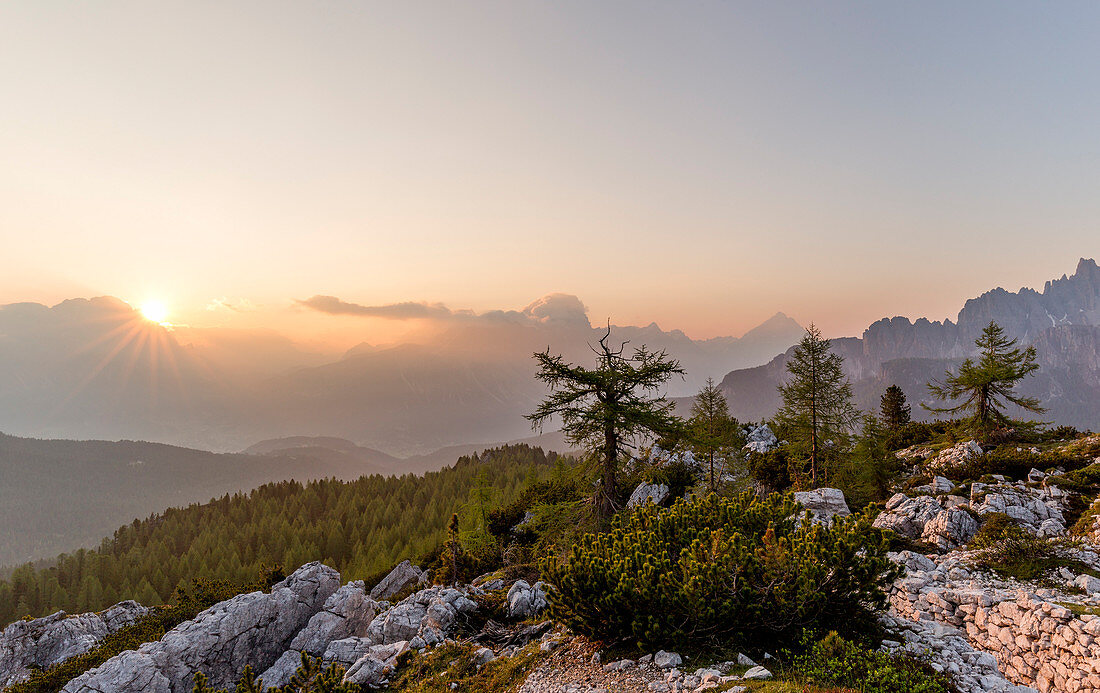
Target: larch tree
<point>610,408</point>
<point>715,435</point>
<point>984,388</point>
<point>817,413</point>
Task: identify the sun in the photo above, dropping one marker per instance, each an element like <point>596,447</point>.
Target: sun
<point>154,311</point>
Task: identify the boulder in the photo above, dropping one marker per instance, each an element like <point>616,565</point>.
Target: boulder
<point>941,484</point>
<point>402,577</point>
<point>1087,583</point>
<point>345,652</point>
<point>250,629</point>
<point>761,440</point>
<point>908,516</point>
<point>402,622</point>
<point>648,492</point>
<point>666,660</point>
<point>347,613</point>
<point>757,673</point>
<point>524,601</point>
<point>956,456</point>
<point>824,504</point>
<point>373,666</point>
<point>949,529</point>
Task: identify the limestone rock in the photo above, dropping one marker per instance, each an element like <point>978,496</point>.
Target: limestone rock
<point>956,456</point>
<point>666,660</point>
<point>402,577</point>
<point>524,600</point>
<point>250,629</point>
<point>824,504</point>
<point>761,440</point>
<point>942,484</point>
<point>757,673</point>
<point>402,622</point>
<point>652,492</point>
<point>43,642</point>
<point>950,529</point>
<point>908,516</point>
<point>1087,583</point>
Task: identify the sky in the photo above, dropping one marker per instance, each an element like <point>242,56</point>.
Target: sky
<point>698,164</point>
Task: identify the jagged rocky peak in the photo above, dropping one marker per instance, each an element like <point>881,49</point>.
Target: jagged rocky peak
<point>1024,314</point>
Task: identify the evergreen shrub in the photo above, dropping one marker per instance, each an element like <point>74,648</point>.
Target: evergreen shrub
<point>732,568</point>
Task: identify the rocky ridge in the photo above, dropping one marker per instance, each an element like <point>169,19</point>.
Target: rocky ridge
<point>43,642</point>
<point>309,613</point>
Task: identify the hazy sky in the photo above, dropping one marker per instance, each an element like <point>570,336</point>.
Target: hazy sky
<point>700,164</point>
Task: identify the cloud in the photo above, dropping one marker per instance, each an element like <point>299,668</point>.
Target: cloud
<point>549,308</point>
<point>242,305</point>
<point>557,308</point>
<point>409,310</point>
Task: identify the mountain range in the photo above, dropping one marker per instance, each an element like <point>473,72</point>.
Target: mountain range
<point>1062,322</point>
<point>94,368</point>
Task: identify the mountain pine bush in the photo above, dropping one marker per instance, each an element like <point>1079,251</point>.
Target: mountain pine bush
<point>708,568</point>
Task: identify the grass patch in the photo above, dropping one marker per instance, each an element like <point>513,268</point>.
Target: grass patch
<point>1010,551</point>
<point>454,668</point>
<point>834,661</point>
<point>1081,609</point>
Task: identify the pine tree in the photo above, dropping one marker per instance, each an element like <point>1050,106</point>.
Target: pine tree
<point>894,409</point>
<point>609,408</point>
<point>817,413</point>
<point>715,435</point>
<point>987,386</point>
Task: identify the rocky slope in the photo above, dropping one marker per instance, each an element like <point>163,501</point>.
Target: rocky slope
<point>1062,321</point>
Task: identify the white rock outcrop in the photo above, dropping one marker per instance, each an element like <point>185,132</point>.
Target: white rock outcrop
<point>647,492</point>
<point>402,577</point>
<point>249,629</point>
<point>524,600</point>
<point>908,516</point>
<point>824,504</point>
<point>346,614</point>
<point>761,440</point>
<point>43,642</point>
<point>949,529</point>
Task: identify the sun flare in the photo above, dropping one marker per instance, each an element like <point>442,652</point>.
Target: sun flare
<point>154,311</point>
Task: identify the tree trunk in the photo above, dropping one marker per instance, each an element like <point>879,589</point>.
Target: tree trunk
<point>813,421</point>
<point>609,490</point>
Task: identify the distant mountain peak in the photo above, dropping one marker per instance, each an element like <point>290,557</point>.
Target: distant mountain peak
<point>778,323</point>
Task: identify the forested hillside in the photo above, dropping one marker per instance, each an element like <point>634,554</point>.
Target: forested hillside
<point>56,495</point>
<point>360,527</point>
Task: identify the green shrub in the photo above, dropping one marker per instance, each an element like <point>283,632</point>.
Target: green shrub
<point>715,567</point>
<point>917,432</point>
<point>503,519</point>
<point>1011,551</point>
<point>834,661</point>
<point>771,470</point>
